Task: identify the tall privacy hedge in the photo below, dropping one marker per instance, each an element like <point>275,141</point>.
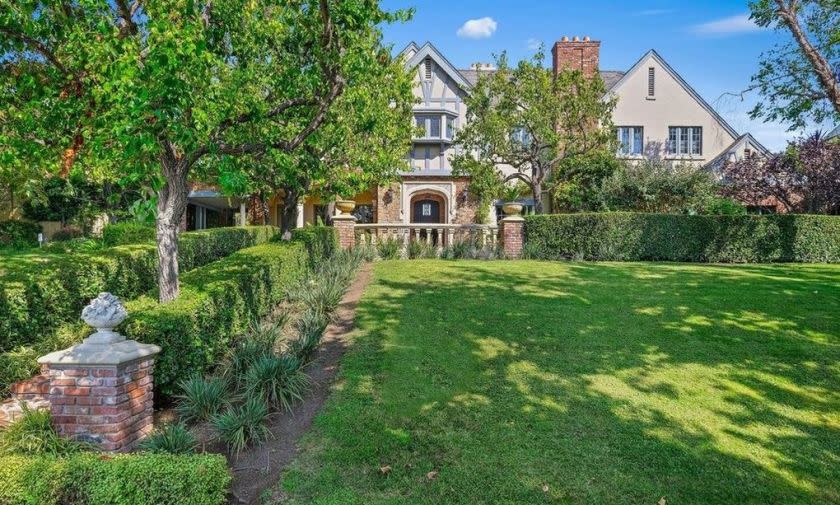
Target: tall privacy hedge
<point>623,236</point>
<point>127,479</point>
<point>321,241</point>
<point>40,292</point>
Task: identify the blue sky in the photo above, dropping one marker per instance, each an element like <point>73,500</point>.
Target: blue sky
<point>711,44</point>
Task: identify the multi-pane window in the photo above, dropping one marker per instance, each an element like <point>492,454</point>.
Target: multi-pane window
<point>434,127</point>
<point>521,136</point>
<point>450,127</point>
<point>685,140</point>
<point>630,140</point>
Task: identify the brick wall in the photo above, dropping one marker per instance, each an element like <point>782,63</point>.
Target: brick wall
<point>576,54</point>
<point>110,406</point>
<point>386,206</point>
<point>465,209</point>
<point>512,236</point>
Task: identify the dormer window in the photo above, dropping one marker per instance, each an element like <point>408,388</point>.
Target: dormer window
<point>427,68</point>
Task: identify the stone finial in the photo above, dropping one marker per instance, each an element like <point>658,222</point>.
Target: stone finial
<point>104,313</point>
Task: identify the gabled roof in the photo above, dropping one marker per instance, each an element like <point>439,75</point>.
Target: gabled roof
<point>688,89</point>
<point>835,133</point>
<point>428,50</point>
<point>734,146</point>
<point>610,77</point>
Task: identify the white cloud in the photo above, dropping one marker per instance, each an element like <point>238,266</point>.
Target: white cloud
<point>727,26</point>
<point>480,28</point>
<point>534,44</point>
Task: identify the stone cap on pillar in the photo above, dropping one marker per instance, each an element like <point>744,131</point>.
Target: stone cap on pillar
<point>104,346</point>
<point>513,219</point>
<point>344,217</point>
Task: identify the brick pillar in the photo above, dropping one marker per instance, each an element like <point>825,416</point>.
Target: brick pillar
<point>107,405</point>
<point>512,236</point>
<point>100,391</point>
<point>344,225</point>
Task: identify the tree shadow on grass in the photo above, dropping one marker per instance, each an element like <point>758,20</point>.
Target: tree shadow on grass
<point>595,383</point>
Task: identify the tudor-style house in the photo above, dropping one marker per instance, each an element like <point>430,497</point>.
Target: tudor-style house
<point>657,114</point>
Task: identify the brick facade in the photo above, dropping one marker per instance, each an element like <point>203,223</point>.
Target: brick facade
<point>576,54</point>
<point>512,236</point>
<point>109,406</point>
<point>344,227</point>
<point>386,204</point>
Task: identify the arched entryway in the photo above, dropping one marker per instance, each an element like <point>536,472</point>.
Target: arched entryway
<point>427,207</point>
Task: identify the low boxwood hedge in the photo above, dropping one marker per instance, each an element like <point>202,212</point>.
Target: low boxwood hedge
<point>623,236</point>
<point>128,479</point>
<point>127,233</point>
<point>41,292</point>
<point>216,304</point>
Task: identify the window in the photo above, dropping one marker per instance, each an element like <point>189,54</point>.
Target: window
<point>651,81</point>
<point>450,127</point>
<point>427,68</point>
<point>521,136</point>
<point>630,139</point>
<point>434,127</point>
<point>685,140</point>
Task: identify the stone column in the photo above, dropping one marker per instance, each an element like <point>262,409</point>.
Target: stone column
<point>100,391</point>
<point>512,236</point>
<point>344,225</point>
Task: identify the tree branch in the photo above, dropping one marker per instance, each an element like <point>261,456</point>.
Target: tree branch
<point>125,12</point>
<point>37,46</point>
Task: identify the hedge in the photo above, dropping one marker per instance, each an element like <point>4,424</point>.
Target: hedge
<point>623,236</point>
<point>128,479</point>
<point>216,304</point>
<point>321,241</point>
<point>16,234</point>
<point>40,292</point>
<point>127,233</point>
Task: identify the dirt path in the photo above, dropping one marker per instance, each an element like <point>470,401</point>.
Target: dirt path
<point>259,468</point>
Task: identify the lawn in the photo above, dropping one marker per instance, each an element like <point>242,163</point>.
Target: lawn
<point>539,382</point>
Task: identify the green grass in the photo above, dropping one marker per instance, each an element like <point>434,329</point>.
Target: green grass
<point>603,383</point>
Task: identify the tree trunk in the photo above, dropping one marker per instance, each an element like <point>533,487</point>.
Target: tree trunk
<point>171,207</point>
<point>290,211</point>
<point>536,189</point>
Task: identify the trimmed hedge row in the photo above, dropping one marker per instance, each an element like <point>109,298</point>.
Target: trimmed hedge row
<point>41,292</point>
<point>127,233</point>
<point>128,479</point>
<point>321,241</point>
<point>216,304</point>
<point>624,236</point>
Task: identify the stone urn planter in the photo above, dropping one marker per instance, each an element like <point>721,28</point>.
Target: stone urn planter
<point>345,207</point>
<point>512,208</point>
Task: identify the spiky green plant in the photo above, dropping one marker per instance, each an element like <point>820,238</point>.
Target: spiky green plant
<point>239,427</point>
<point>32,433</point>
<point>201,399</point>
<point>310,327</point>
<point>172,439</point>
<point>389,248</point>
<point>260,341</point>
<point>278,380</point>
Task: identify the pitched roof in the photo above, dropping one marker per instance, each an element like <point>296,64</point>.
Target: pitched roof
<point>745,138</point>
<point>677,77</point>
<point>610,77</point>
<point>429,50</point>
<point>835,133</point>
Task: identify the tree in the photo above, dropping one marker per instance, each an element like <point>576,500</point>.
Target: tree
<point>804,178</point>
<point>798,81</point>
<point>535,123</point>
<point>363,142</point>
<point>157,87</point>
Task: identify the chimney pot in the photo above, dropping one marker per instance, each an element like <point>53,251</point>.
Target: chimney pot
<point>564,39</point>
<point>586,38</point>
<point>576,39</point>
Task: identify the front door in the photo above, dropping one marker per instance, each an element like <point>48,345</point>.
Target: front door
<point>426,211</point>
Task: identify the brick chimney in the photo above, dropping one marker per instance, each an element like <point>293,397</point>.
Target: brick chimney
<point>576,54</point>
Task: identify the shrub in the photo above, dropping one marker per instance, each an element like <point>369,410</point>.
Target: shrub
<point>33,434</point>
<point>19,234</point>
<point>277,380</point>
<point>126,479</point>
<point>127,233</point>
<point>239,427</point>
<point>217,302</point>
<point>389,248</point>
<point>171,439</point>
<point>67,233</point>
<point>40,293</point>
<point>321,241</point>
<point>74,245</point>
<point>260,341</point>
<point>670,237</point>
<point>418,249</point>
<point>310,326</point>
<point>201,399</point>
